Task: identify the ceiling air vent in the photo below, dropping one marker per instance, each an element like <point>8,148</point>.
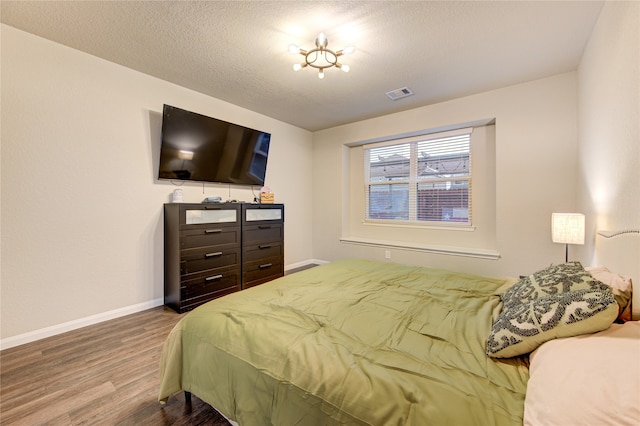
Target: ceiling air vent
<point>394,95</point>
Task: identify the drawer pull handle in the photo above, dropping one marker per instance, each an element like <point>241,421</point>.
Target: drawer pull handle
<point>265,266</point>
<point>264,226</point>
<point>212,231</point>
<point>216,254</point>
<point>266,246</point>
<point>213,277</point>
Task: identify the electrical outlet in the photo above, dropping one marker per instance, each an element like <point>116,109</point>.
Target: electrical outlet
<point>387,254</point>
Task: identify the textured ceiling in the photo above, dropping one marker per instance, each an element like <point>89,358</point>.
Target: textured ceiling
<point>237,50</point>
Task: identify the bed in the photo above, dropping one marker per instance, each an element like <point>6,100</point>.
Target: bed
<point>364,342</point>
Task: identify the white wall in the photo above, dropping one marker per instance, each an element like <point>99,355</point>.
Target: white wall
<point>81,216</point>
<point>609,129</point>
<point>536,169</point>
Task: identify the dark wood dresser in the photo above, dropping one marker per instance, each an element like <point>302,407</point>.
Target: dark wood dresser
<point>262,243</point>
<point>211,250</point>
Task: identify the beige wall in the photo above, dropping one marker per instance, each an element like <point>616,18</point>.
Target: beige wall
<point>80,244</point>
<point>81,208</point>
<point>535,175</point>
<point>609,129</point>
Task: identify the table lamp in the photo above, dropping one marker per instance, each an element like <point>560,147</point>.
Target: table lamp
<point>567,228</point>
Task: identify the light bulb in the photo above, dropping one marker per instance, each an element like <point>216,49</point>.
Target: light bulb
<point>321,74</point>
<point>348,50</point>
<point>345,68</point>
<point>297,67</point>
<point>294,49</point>
<point>321,41</point>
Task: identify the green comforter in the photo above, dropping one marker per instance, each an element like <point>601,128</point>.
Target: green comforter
<point>350,342</point>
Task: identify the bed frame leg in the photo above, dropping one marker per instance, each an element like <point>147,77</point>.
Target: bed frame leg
<point>187,397</point>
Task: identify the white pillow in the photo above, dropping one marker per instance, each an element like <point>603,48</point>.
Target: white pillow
<point>586,380</point>
<point>621,285</point>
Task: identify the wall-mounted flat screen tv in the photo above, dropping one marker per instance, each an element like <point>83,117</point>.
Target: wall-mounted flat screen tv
<point>195,147</point>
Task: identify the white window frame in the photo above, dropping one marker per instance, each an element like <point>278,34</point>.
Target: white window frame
<point>413,180</point>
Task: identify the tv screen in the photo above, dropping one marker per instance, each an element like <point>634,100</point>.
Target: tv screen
<point>200,148</point>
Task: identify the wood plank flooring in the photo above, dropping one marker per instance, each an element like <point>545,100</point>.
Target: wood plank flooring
<point>104,374</point>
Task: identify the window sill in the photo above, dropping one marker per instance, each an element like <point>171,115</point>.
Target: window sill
<point>398,224</point>
<point>445,250</point>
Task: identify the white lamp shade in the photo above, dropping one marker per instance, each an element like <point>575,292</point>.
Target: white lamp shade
<point>185,155</point>
<point>567,228</point>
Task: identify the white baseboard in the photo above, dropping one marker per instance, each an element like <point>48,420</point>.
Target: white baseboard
<point>32,336</point>
<point>304,263</point>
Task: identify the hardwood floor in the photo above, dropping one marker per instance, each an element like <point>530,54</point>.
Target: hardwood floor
<point>104,374</point>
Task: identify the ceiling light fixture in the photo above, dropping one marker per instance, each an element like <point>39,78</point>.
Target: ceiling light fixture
<point>321,57</point>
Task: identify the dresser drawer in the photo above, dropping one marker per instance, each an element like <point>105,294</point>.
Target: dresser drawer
<point>198,214</point>
<point>257,252</point>
<point>211,284</point>
<point>254,214</point>
<point>260,233</point>
<point>255,273</point>
<point>189,304</point>
<point>209,258</point>
<point>200,236</point>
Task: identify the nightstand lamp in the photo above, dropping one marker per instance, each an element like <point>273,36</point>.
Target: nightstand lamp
<point>567,228</point>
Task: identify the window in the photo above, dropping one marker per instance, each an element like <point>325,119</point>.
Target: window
<point>425,180</point>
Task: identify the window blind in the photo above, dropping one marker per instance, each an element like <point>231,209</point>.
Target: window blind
<point>420,180</point>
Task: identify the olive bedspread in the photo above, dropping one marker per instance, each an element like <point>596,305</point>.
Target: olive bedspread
<point>350,342</point>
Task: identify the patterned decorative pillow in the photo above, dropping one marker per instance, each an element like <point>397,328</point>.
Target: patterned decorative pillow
<point>522,327</point>
<point>554,280</point>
